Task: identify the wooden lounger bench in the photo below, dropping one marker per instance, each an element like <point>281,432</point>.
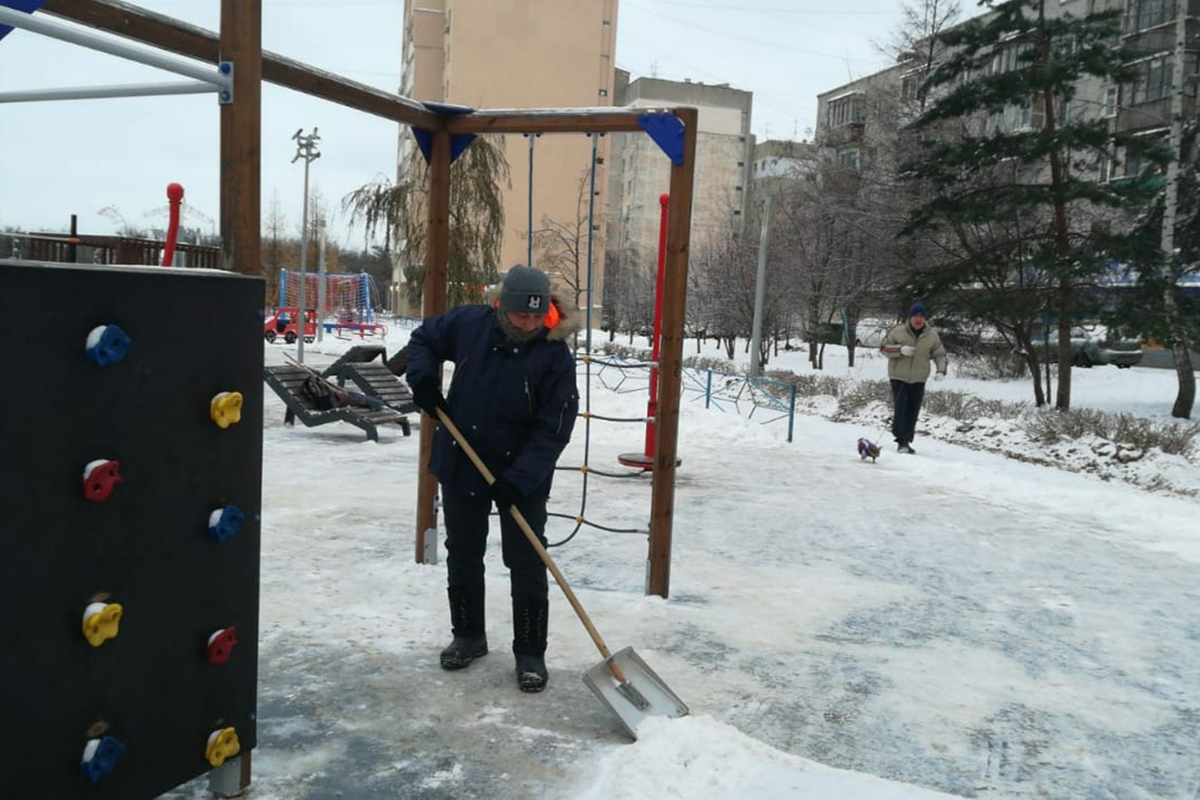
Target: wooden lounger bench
<point>287,379</point>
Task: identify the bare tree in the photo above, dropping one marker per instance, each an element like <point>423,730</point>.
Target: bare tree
<point>562,245</point>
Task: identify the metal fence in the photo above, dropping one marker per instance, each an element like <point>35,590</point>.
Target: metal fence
<point>745,395</point>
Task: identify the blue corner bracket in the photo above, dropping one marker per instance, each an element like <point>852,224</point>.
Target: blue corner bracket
<point>667,132</point>
<point>28,6</point>
<point>459,142</point>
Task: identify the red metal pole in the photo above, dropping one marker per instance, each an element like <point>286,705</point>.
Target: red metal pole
<point>652,407</point>
<point>175,198</point>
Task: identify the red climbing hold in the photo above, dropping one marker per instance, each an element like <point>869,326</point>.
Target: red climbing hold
<point>220,645</point>
<point>99,478</point>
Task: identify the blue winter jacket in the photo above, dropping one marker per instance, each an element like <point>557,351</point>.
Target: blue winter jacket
<point>515,403</point>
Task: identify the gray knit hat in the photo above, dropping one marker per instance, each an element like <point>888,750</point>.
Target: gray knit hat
<point>526,290</point>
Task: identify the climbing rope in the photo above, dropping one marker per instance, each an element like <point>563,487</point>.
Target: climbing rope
<point>588,359</point>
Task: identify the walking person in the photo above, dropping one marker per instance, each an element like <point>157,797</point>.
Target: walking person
<point>910,347</point>
<point>514,397</point>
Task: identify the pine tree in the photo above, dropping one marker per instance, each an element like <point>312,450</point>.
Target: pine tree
<point>1004,147</point>
<point>1159,307</point>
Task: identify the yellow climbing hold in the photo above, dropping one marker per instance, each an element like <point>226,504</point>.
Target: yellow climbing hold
<point>100,622</point>
<point>222,744</point>
<point>225,409</point>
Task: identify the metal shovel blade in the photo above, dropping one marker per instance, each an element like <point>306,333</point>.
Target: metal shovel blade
<point>643,695</point>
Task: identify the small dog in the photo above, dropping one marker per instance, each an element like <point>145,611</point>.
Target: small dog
<point>867,449</point>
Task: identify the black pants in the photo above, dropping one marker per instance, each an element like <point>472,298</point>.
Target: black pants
<point>906,407</point>
<point>466,542</point>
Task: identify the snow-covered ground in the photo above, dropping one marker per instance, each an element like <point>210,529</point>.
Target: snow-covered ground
<point>953,622</point>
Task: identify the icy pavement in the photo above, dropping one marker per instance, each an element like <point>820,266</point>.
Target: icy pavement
<point>954,620</point>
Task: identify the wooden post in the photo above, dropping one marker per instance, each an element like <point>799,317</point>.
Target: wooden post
<point>437,254</point>
<point>241,134</point>
<point>670,357</point>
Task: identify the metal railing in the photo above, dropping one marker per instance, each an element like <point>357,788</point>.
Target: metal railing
<point>726,391</point>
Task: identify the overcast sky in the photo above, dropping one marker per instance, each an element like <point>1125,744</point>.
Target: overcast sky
<point>85,156</point>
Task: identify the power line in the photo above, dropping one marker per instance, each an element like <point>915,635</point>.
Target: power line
<point>763,10</point>
<point>751,39</point>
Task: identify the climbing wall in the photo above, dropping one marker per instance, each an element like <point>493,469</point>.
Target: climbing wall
<point>130,492</point>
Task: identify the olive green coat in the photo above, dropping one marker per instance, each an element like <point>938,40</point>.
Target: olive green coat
<point>914,368</point>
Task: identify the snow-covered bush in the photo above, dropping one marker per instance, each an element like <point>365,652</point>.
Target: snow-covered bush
<point>1170,437</point>
<point>966,407</point>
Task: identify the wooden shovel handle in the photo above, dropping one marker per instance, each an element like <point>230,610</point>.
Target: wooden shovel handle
<point>537,545</point>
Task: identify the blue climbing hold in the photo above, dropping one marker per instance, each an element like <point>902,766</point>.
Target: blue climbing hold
<point>100,757</point>
<point>225,522</point>
<point>107,344</point>
<point>666,130</point>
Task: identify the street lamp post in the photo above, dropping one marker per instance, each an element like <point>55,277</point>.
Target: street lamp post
<point>306,148</point>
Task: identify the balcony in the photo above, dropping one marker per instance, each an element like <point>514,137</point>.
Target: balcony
<point>1152,30</point>
<point>842,134</point>
<point>1150,115</point>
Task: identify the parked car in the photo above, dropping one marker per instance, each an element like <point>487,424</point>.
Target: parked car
<point>282,324</point>
<point>1098,347</point>
<point>870,332</point>
<point>1095,346</point>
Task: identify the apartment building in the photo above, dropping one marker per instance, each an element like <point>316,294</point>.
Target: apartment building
<point>641,171</point>
<point>1141,107</point>
<point>778,164</point>
<point>517,54</point>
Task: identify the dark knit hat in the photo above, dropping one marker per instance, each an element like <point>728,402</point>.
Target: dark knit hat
<point>917,308</point>
<point>526,290</point>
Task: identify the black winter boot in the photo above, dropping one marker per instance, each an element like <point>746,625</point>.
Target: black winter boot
<point>466,621</point>
<point>530,620</point>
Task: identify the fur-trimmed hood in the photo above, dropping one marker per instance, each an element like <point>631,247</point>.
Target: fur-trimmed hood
<point>568,324</point>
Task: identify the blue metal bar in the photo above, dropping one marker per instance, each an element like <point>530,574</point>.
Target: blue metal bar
<point>792,414</point>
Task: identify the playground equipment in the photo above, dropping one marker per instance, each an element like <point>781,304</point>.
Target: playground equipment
<point>282,325</point>
<point>349,299</point>
<point>175,199</point>
<point>137,475</point>
<point>645,459</point>
<point>234,68</point>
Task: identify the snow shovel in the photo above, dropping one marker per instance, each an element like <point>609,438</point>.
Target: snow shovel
<point>622,681</point>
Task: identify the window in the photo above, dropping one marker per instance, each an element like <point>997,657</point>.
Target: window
<point>848,159</point>
<point>1105,169</point>
<point>844,111</point>
<point>1149,13</point>
<point>1153,82</point>
<point>1012,57</point>
<point>604,92</point>
<point>1068,113</point>
<point>606,23</point>
<point>1110,101</point>
<point>1136,166</point>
